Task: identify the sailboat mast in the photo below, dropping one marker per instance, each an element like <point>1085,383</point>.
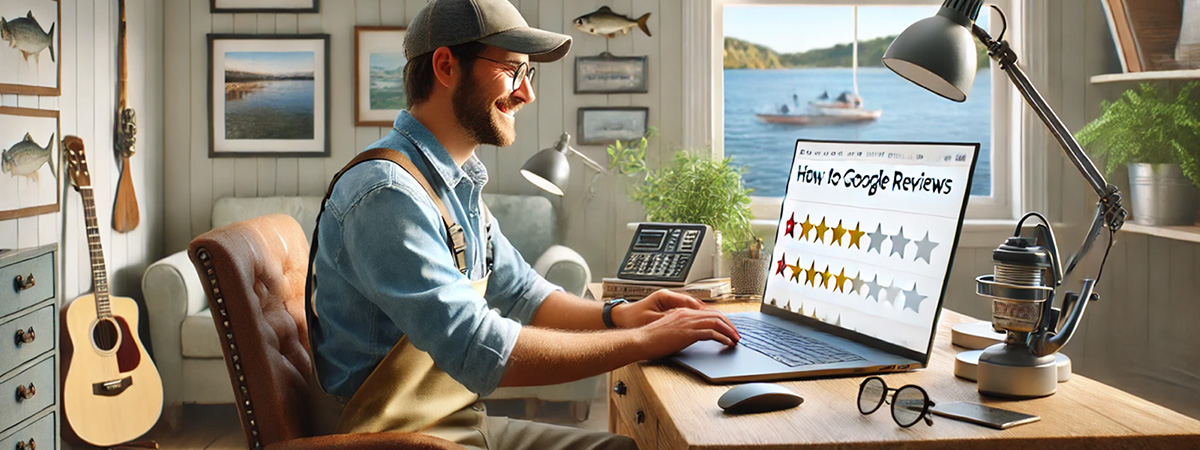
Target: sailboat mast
<point>854,51</point>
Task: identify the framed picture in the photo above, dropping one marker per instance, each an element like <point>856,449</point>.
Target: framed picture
<point>264,6</point>
<point>378,75</point>
<point>603,125</point>
<point>29,168</point>
<point>268,95</point>
<point>30,47</point>
<point>608,74</point>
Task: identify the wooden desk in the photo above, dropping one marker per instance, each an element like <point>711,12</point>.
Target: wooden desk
<point>667,407</point>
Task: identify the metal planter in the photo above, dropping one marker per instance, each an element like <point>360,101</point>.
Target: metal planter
<point>1162,195</point>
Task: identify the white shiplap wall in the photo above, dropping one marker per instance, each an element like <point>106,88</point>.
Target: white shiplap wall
<point>87,109</point>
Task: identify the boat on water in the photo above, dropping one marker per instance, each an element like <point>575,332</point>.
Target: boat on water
<point>846,108</point>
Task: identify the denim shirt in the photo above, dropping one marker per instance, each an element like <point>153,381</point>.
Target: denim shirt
<point>383,271</point>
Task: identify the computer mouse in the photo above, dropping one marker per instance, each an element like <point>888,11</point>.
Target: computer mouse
<point>758,397</point>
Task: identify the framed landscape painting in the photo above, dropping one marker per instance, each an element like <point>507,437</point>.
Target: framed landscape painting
<point>264,6</point>
<point>603,125</point>
<point>608,74</point>
<point>30,47</point>
<point>268,95</point>
<point>30,166</point>
<point>378,75</point>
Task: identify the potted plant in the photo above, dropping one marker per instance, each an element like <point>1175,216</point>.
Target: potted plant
<point>689,189</point>
<point>1157,136</point>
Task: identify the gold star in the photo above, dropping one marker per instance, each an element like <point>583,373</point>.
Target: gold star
<point>855,235</point>
<point>825,277</point>
<point>796,270</point>
<point>805,227</point>
<point>821,231</point>
<point>841,280</point>
<point>838,232</point>
<point>812,272</point>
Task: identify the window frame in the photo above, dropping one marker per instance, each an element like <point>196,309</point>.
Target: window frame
<point>704,118</point>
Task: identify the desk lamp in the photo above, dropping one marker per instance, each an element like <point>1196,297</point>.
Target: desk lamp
<point>549,169</point>
<point>938,54</point>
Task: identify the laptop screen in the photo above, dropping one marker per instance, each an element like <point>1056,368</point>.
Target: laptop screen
<point>867,234</point>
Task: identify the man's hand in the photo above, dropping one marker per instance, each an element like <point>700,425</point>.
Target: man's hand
<point>652,308</point>
<point>683,314</point>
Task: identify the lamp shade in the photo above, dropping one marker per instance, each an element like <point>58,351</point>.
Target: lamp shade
<point>548,169</point>
<point>938,53</point>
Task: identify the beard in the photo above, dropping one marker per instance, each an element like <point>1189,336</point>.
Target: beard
<point>473,110</point>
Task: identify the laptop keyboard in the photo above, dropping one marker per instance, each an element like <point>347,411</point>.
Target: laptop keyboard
<point>787,347</point>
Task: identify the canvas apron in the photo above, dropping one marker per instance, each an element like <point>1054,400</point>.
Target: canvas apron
<point>406,392</point>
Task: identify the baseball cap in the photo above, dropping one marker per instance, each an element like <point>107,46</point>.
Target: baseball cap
<point>444,23</point>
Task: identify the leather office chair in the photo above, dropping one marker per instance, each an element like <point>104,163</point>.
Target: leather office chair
<point>253,274</point>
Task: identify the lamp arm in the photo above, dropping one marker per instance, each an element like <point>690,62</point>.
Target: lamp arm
<point>1110,196</point>
<point>588,161</point>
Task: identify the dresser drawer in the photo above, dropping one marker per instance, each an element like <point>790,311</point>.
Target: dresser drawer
<point>17,293</point>
<point>15,331</point>
<point>40,433</point>
<point>633,412</point>
<point>41,376</point>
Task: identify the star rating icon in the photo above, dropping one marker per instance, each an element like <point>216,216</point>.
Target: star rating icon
<point>857,283</point>
<point>781,264</point>
<point>877,238</point>
<point>812,273</point>
<point>912,299</point>
<point>825,277</point>
<point>841,280</point>
<point>925,248</point>
<point>893,291</point>
<point>796,271</point>
<point>873,288</point>
<point>855,236</point>
<point>821,231</point>
<point>898,243</point>
<point>791,226</point>
<point>838,232</point>
<point>806,227</point>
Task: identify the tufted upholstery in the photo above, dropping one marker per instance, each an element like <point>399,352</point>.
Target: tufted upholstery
<point>253,274</point>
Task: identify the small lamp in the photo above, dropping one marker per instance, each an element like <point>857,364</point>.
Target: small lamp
<point>549,169</point>
<point>938,54</point>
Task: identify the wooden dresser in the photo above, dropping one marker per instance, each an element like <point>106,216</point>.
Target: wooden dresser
<point>28,338</point>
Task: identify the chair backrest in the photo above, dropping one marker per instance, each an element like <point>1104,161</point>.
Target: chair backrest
<point>253,273</point>
<point>532,215</point>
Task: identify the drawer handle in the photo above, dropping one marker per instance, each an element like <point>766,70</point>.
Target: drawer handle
<point>25,393</point>
<point>25,337</point>
<point>27,446</point>
<point>640,417</point>
<point>620,388</point>
<point>23,283</point>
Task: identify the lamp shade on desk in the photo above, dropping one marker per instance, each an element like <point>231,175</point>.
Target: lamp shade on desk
<point>548,169</point>
<point>938,52</point>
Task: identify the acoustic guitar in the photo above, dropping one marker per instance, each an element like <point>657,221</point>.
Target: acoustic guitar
<point>111,392</point>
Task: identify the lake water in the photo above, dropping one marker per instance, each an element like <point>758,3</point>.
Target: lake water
<point>910,113</point>
<point>278,109</point>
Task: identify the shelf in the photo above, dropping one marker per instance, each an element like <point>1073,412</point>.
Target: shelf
<point>1179,233</point>
<point>1187,74</point>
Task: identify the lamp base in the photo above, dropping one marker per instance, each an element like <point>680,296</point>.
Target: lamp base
<point>1013,371</point>
<point>966,365</point>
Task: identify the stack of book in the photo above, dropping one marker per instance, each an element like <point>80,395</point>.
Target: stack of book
<point>708,289</point>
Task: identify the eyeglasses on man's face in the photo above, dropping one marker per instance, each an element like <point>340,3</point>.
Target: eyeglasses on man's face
<point>519,71</point>
<point>909,403</point>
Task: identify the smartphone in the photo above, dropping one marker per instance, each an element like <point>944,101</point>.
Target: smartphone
<point>983,415</point>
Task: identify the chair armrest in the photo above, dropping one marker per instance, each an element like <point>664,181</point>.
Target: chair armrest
<point>367,441</point>
<point>172,291</point>
<point>565,267</point>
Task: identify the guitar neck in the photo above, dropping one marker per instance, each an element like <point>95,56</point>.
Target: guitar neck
<point>96,253</point>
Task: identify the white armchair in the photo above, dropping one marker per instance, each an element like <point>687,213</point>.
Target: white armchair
<point>188,353</point>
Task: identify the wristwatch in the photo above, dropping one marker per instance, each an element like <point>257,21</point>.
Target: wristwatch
<point>608,307</point>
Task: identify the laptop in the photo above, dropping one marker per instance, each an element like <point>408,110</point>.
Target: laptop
<point>860,264</point>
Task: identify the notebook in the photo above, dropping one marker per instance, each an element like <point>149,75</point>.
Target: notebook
<point>859,269</point>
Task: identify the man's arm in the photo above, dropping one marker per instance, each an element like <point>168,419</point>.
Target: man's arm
<point>544,356</point>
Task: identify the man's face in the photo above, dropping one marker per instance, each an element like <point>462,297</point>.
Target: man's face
<point>486,105</point>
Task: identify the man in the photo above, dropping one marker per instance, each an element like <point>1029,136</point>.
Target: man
<point>407,333</point>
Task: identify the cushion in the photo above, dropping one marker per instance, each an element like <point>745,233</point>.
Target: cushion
<point>228,210</point>
<point>528,221</point>
<point>198,336</point>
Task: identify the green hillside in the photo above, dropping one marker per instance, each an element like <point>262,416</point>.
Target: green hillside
<point>741,54</point>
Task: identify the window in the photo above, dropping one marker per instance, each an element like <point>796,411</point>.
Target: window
<point>786,72</point>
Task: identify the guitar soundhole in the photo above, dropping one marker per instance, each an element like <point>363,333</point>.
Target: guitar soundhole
<point>104,335</point>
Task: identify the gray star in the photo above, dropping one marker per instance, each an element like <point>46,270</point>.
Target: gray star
<point>873,288</point>
<point>898,243</point>
<point>925,248</point>
<point>893,292</point>
<point>876,239</point>
<point>912,300</point>
<point>858,283</point>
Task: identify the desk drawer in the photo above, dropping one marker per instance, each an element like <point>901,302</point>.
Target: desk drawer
<point>12,408</point>
<point>14,351</point>
<point>634,416</point>
<point>20,293</point>
<point>40,433</point>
